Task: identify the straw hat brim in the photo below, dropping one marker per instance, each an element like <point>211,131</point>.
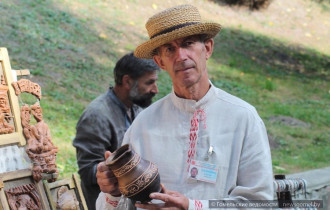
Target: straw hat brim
<point>146,49</point>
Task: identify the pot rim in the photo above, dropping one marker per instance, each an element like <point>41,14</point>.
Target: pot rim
<point>114,156</point>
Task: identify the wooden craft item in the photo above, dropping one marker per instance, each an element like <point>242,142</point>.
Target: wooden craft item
<point>40,148</point>
<point>21,182</point>
<point>10,122</point>
<point>66,200</point>
<point>22,72</point>
<point>5,113</point>
<point>137,178</point>
<point>65,194</point>
<point>23,197</point>
<point>26,86</point>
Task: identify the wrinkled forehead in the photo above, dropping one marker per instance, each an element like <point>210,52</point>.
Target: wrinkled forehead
<point>181,40</point>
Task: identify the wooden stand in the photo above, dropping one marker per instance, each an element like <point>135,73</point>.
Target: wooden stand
<point>5,71</point>
<point>20,188</point>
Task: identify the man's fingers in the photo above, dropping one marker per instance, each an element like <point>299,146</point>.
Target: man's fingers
<point>106,179</point>
<point>166,191</point>
<point>163,189</point>
<point>101,167</point>
<point>112,179</point>
<point>107,154</point>
<point>160,196</point>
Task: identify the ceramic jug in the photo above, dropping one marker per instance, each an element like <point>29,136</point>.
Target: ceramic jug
<point>137,178</point>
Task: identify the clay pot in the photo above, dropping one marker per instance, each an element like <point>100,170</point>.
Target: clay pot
<point>137,178</point>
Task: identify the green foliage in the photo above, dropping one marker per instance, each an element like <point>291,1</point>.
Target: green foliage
<point>164,84</point>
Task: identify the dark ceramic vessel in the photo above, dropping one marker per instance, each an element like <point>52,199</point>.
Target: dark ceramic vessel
<point>137,178</point>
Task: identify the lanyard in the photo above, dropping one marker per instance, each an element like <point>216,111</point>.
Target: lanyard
<point>199,116</point>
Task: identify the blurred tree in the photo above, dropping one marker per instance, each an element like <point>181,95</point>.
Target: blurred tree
<point>252,4</point>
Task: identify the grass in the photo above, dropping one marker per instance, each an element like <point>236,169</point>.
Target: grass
<point>279,79</point>
<point>71,48</point>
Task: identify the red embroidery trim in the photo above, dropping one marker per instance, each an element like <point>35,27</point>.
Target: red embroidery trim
<point>198,205</point>
<point>112,203</point>
<point>198,116</point>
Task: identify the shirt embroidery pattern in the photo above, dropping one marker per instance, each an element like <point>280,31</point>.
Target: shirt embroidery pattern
<point>199,116</point>
<point>112,203</point>
<point>198,205</point>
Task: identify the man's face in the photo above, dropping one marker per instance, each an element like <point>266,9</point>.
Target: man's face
<point>185,60</point>
<point>193,172</point>
<point>144,89</point>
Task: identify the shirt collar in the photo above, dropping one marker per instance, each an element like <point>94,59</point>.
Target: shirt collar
<point>191,105</point>
<point>113,96</point>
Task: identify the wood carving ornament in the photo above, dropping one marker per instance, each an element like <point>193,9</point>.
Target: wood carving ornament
<point>66,200</point>
<point>23,197</point>
<point>25,85</point>
<point>5,114</point>
<point>40,148</point>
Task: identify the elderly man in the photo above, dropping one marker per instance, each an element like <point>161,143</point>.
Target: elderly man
<point>104,122</point>
<point>197,124</point>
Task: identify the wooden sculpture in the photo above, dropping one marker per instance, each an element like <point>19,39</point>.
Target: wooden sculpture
<point>23,197</point>
<point>25,85</point>
<point>5,114</point>
<point>66,199</point>
<point>39,148</point>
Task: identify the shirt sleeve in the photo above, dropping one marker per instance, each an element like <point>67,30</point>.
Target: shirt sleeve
<point>255,175</point>
<point>106,201</point>
<point>92,140</point>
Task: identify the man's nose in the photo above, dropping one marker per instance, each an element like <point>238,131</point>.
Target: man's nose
<point>181,54</point>
<point>154,89</point>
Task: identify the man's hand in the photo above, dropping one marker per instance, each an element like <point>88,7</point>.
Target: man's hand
<point>106,179</point>
<point>172,200</point>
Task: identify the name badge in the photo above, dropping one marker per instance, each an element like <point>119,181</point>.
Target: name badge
<point>203,171</point>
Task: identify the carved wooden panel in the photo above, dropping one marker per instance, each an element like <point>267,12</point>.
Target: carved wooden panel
<point>10,122</point>
<point>65,194</point>
<point>23,197</point>
<point>6,118</point>
<point>40,148</point>
<point>26,86</point>
<point>18,189</point>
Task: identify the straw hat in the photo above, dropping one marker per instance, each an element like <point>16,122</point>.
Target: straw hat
<point>171,24</point>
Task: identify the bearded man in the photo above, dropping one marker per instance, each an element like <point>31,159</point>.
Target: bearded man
<point>105,120</point>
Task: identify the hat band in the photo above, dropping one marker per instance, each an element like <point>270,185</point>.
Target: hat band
<point>173,28</point>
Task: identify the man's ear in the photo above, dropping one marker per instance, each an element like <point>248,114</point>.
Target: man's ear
<point>127,81</point>
<point>209,43</point>
<point>158,60</point>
